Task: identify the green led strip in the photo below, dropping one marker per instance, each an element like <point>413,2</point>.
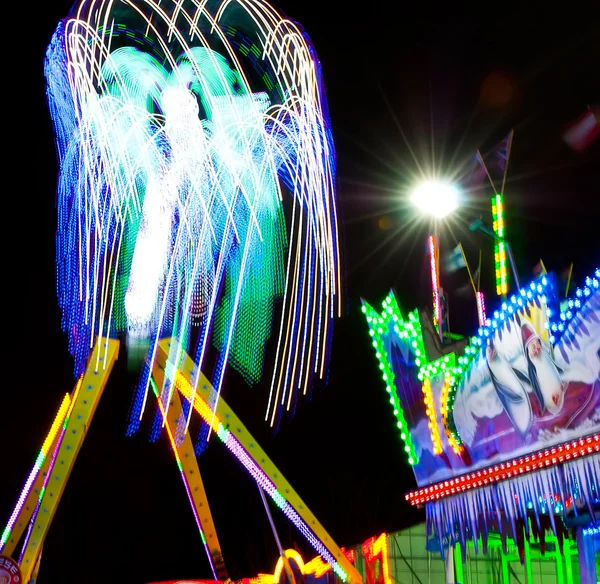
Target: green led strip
<point>499,246</point>
<point>410,329</point>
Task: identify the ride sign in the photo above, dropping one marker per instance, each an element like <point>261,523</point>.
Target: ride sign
<point>9,571</point>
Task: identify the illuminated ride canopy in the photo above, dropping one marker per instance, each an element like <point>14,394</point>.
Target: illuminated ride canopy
<point>187,133</point>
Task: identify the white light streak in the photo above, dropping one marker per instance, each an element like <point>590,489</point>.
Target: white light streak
<point>182,130</point>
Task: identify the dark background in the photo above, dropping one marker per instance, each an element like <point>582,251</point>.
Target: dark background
<point>442,78</point>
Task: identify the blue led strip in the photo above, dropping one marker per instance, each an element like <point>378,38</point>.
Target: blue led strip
<point>518,302</point>
<point>591,531</point>
<point>557,322</point>
<point>574,305</point>
<point>541,291</point>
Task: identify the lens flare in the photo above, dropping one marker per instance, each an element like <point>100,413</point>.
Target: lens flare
<point>435,198</point>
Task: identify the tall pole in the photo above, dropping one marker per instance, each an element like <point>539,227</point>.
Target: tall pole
<point>512,264</point>
<point>286,564</point>
<point>437,279</point>
<point>479,225</point>
<point>433,244</point>
<point>500,246</point>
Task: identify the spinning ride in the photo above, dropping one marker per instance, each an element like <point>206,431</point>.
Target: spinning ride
<point>195,202</point>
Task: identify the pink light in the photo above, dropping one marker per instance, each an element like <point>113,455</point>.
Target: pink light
<point>39,463</point>
<point>435,285</point>
<point>480,308</point>
<point>43,490</point>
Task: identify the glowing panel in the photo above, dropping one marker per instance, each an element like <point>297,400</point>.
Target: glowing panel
<point>377,549</point>
<point>500,246</point>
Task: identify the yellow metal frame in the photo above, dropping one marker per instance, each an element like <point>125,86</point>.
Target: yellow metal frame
<point>29,504</point>
<point>41,504</point>
<point>84,404</point>
<point>190,470</point>
<point>185,378</point>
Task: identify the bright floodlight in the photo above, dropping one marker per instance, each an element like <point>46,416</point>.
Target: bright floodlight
<point>435,198</point>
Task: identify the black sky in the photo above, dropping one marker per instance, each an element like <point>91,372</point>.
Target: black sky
<point>391,69</point>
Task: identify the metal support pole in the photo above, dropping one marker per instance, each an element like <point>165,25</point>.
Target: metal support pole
<point>450,578</point>
<point>587,561</point>
<point>436,237</point>
<point>286,564</point>
<point>512,264</point>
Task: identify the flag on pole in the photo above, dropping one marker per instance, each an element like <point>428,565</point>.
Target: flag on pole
<point>463,291</point>
<point>476,173</point>
<point>454,260</point>
<point>539,269</point>
<point>580,134</point>
<point>495,162</point>
<point>498,159</point>
<point>565,278</point>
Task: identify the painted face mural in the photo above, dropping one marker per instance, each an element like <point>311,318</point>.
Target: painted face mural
<point>524,386</point>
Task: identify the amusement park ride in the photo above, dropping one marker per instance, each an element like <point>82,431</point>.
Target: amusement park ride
<point>184,129</point>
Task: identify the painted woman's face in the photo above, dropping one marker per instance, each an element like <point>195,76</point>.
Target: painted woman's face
<point>534,348</point>
<point>4,578</point>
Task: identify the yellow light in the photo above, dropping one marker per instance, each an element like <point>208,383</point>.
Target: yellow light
<point>435,434</point>
<point>377,549</point>
<point>186,389</point>
<point>317,567</point>
<point>57,424</point>
<point>456,447</point>
<point>289,554</point>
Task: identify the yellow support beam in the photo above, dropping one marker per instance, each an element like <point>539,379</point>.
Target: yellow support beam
<point>231,430</point>
<point>25,513</point>
<point>190,471</point>
<point>85,403</point>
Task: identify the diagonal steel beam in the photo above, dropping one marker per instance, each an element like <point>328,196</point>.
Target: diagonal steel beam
<point>85,402</point>
<point>239,441</point>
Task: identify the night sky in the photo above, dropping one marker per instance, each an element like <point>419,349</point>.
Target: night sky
<point>409,85</point>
